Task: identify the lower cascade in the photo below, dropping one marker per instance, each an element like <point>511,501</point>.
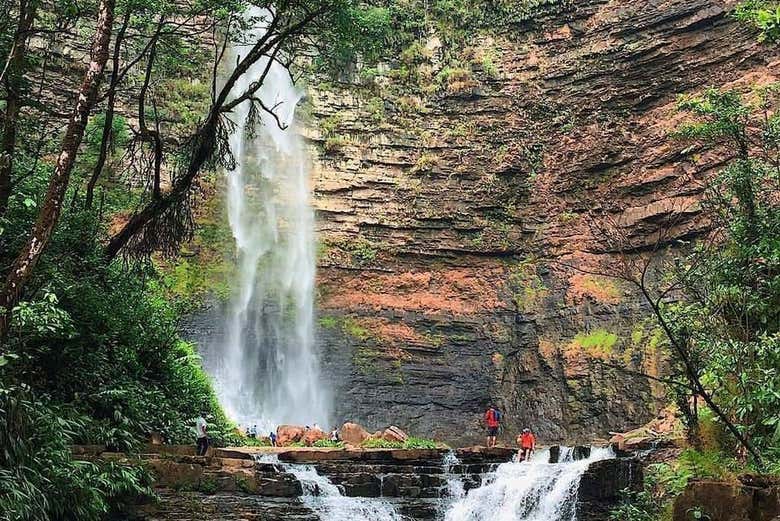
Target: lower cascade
<point>329,503</point>
<point>535,490</point>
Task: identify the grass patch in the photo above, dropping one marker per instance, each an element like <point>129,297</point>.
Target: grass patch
<point>598,342</point>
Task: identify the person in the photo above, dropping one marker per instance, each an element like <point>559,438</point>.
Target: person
<point>334,434</point>
<point>201,437</point>
<point>253,432</point>
<point>527,444</point>
<point>493,421</point>
<point>272,437</point>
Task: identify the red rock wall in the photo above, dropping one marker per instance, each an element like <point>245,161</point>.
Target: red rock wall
<point>448,230</point>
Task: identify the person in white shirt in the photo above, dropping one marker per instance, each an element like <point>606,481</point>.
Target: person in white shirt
<point>201,438</point>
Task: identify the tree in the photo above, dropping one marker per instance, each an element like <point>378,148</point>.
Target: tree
<point>292,28</point>
<point>11,78</point>
<point>717,299</point>
<point>22,268</point>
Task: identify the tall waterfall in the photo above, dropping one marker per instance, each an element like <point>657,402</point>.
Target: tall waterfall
<point>266,366</point>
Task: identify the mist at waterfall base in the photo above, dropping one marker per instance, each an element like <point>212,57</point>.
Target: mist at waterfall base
<point>265,365</point>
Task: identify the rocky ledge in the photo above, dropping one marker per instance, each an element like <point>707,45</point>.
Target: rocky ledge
<point>277,483</point>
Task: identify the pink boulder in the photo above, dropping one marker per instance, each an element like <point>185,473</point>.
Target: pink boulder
<point>395,434</point>
<point>312,435</point>
<point>353,434</point>
<point>288,434</point>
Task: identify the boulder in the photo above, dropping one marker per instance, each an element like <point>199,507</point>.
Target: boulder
<point>312,435</point>
<point>353,434</point>
<point>393,433</point>
<point>602,483</point>
<point>725,501</point>
<point>289,434</point>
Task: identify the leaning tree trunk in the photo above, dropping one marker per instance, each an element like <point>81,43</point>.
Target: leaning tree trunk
<point>22,268</point>
<point>12,80</point>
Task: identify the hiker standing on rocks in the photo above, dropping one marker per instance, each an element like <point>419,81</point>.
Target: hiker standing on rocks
<point>493,421</point>
<point>527,442</point>
<point>201,438</point>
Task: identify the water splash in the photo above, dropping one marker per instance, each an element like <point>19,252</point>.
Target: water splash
<point>327,501</point>
<point>266,368</point>
<point>455,488</point>
<point>528,491</point>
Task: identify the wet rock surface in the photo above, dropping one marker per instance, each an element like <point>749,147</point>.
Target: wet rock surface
<point>602,483</point>
<point>414,482</point>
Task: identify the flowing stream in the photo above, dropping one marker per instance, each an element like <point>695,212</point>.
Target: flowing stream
<point>528,491</point>
<point>266,366</point>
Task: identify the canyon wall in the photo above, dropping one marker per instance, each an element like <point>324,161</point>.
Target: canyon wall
<point>457,264</point>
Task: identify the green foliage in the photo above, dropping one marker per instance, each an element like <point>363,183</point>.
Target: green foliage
<point>598,341</point>
<point>413,442</point>
<point>764,15</point>
<point>40,480</point>
<point>208,485</point>
<point>332,444</point>
<point>730,314</point>
<point>381,443</point>
<point>105,337</point>
<point>410,443</point>
<point>527,286</point>
<point>328,322</point>
<point>665,481</point>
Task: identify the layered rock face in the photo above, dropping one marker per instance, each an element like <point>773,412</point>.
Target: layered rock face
<point>457,265</point>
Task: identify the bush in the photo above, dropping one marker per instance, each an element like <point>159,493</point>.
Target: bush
<point>410,443</point>
<point>329,444</point>
<point>381,443</point>
<point>419,443</point>
<point>40,480</point>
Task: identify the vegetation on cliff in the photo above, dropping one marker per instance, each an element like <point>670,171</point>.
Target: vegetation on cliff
<point>88,321</point>
<point>90,348</point>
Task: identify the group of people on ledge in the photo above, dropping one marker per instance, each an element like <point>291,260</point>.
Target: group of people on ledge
<point>526,441</point>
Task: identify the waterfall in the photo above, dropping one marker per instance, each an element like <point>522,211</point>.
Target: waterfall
<point>527,491</point>
<point>455,488</point>
<point>266,366</point>
<point>325,499</point>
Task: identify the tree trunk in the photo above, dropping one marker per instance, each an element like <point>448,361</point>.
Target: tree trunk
<point>12,82</point>
<point>108,124</point>
<point>22,268</point>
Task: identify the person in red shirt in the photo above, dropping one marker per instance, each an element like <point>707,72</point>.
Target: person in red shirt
<point>527,442</point>
<point>492,420</point>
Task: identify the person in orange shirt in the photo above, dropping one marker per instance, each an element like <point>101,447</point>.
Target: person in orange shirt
<point>527,442</point>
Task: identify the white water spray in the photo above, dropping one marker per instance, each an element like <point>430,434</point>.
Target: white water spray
<point>266,368</point>
<point>328,503</point>
<point>528,491</point>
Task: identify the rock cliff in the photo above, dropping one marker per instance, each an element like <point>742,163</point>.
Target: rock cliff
<point>455,253</point>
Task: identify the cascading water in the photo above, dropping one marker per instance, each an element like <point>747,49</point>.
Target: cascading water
<point>266,367</point>
<point>326,500</point>
<point>528,491</point>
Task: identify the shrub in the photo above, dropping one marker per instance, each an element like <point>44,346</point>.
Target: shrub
<point>40,480</point>
<point>381,443</point>
<point>329,444</point>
